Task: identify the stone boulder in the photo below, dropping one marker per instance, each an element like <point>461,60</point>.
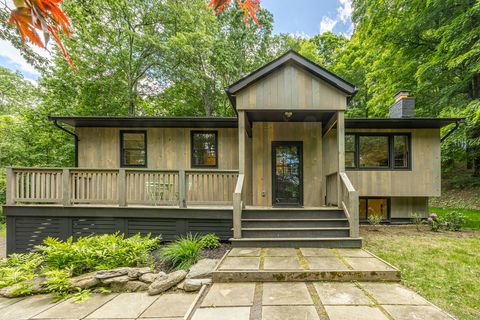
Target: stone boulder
<point>84,281</point>
<point>32,286</point>
<point>195,284</point>
<point>150,277</point>
<point>105,274</point>
<point>120,279</point>
<point>135,286</point>
<point>164,283</point>
<point>202,269</point>
<point>136,273</point>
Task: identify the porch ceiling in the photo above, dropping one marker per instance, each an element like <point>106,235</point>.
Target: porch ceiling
<point>296,116</point>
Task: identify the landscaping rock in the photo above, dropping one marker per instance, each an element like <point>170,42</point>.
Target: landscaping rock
<point>150,277</point>
<point>180,285</point>
<point>195,284</point>
<point>135,286</point>
<point>135,273</point>
<point>121,279</point>
<point>202,269</point>
<point>162,284</point>
<point>11,291</point>
<point>32,286</point>
<point>105,274</point>
<point>84,281</point>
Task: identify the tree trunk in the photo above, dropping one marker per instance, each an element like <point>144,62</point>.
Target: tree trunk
<point>476,166</point>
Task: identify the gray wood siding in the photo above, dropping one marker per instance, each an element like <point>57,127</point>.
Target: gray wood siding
<point>402,207</point>
<point>291,88</point>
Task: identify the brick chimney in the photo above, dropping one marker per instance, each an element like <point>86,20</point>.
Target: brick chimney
<point>403,107</point>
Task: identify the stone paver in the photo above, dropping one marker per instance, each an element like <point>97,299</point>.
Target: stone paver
<point>416,312</point>
<point>326,263</point>
<point>393,293</point>
<point>317,252</point>
<point>289,312</point>
<point>27,308</point>
<point>285,293</point>
<point>230,294</point>
<point>244,252</point>
<point>341,293</point>
<point>125,305</point>
<point>368,264</point>
<point>356,253</point>
<point>4,302</point>
<point>281,252</point>
<point>354,313</point>
<point>281,263</point>
<point>70,309</point>
<point>232,313</point>
<point>170,305</point>
<point>240,263</point>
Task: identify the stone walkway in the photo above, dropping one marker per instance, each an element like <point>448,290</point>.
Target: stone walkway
<point>314,301</point>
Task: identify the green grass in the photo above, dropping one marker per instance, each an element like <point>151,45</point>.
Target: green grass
<point>3,230</point>
<point>472,216</point>
<point>443,267</point>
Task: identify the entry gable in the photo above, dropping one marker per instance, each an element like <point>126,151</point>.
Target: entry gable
<point>291,82</point>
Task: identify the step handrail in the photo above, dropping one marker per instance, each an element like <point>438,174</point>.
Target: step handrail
<point>350,201</point>
<point>237,207</point>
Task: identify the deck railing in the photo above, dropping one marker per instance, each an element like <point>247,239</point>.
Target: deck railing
<point>349,203</point>
<point>120,187</point>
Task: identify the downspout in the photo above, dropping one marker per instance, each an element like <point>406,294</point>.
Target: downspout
<point>457,124</point>
<point>73,134</point>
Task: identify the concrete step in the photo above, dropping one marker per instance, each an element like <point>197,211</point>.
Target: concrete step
<point>332,232</point>
<point>297,213</point>
<point>345,242</point>
<point>294,223</point>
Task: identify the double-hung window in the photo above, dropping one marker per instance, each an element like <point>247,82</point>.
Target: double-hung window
<point>377,151</point>
<point>204,149</point>
<point>133,148</point>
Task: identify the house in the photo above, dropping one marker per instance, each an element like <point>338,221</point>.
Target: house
<point>288,170</point>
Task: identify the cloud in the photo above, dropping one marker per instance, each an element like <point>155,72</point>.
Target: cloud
<point>327,24</point>
<point>344,12</point>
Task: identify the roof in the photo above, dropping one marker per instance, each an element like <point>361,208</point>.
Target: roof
<point>299,60</point>
<point>223,122</point>
<point>146,122</point>
<point>399,123</point>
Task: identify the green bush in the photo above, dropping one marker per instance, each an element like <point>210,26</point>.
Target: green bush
<point>57,282</point>
<point>210,241</point>
<point>455,220</point>
<point>19,267</point>
<point>374,219</point>
<point>183,252</point>
<point>98,252</point>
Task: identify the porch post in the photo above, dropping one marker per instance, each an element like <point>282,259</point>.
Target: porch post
<point>66,187</point>
<point>10,187</point>
<point>122,187</point>
<point>182,190</point>
<point>341,153</point>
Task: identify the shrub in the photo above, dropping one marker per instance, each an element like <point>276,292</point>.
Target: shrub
<point>435,222</point>
<point>210,241</point>
<point>374,219</point>
<point>416,219</point>
<point>19,267</point>
<point>183,252</point>
<point>454,220</point>
<point>57,282</point>
<point>98,252</point>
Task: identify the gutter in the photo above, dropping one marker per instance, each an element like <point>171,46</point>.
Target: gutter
<point>457,124</point>
<point>55,123</point>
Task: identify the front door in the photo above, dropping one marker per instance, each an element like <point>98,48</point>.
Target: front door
<point>287,179</point>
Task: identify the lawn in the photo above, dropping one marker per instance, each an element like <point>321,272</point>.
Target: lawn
<point>444,267</point>
<point>473,216</point>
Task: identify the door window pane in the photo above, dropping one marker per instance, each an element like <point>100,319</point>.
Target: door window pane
<point>374,151</point>
<point>377,207</point>
<point>287,175</point>
<point>349,151</point>
<point>400,151</point>
<point>204,149</point>
<point>133,149</point>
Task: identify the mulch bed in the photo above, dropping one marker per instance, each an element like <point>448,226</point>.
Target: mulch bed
<point>216,253</point>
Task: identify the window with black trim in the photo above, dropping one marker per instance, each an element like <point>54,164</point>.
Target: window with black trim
<point>204,149</point>
<point>133,148</point>
<point>377,151</point>
<point>374,207</point>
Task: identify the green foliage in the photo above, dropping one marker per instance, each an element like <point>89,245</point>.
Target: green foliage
<point>435,222</point>
<point>98,252</point>
<point>19,267</point>
<point>210,241</point>
<point>374,219</point>
<point>454,220</point>
<point>416,220</point>
<point>472,217</point>
<point>183,252</point>
<point>57,282</point>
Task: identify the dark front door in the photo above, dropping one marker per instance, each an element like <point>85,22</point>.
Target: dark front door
<point>287,188</point>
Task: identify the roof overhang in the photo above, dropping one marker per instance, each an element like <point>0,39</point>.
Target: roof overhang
<point>300,61</point>
<point>401,123</point>
<point>148,122</point>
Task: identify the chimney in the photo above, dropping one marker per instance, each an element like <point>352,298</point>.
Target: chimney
<point>403,107</point>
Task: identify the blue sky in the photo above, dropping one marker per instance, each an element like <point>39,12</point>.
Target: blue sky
<point>299,17</point>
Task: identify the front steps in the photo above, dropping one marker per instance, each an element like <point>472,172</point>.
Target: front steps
<point>295,227</point>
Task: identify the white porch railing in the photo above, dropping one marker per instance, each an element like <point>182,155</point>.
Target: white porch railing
<point>120,187</point>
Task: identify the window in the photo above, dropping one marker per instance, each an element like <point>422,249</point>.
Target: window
<point>374,207</point>
<point>377,151</point>
<point>204,149</point>
<point>350,153</point>
<point>133,148</point>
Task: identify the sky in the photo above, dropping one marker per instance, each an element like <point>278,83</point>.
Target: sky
<point>298,17</point>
